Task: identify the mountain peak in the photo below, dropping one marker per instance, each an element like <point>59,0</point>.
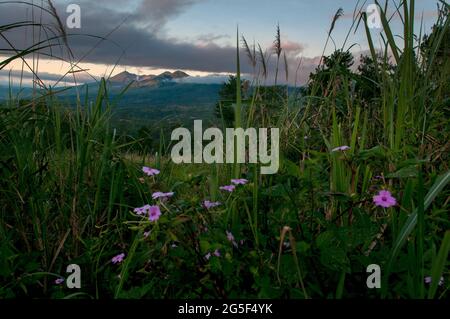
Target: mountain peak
<point>179,74</point>
<point>123,77</point>
<point>124,73</point>
<point>172,75</point>
<point>146,80</point>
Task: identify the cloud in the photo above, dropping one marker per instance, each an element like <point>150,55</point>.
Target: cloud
<point>211,38</point>
<point>26,78</point>
<point>207,79</point>
<point>151,15</point>
<point>156,13</point>
<point>135,46</point>
<point>292,48</point>
<point>131,44</point>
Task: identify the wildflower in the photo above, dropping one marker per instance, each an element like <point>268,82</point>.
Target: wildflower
<point>154,213</point>
<point>118,259</point>
<point>428,280</point>
<point>162,195</point>
<point>208,204</point>
<point>228,188</point>
<point>207,256</point>
<point>241,181</point>
<point>231,239</point>
<point>341,148</point>
<point>142,210</point>
<point>384,199</point>
<point>150,171</point>
<point>216,253</point>
<point>59,281</point>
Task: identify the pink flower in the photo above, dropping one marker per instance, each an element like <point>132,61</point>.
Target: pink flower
<point>239,181</point>
<point>341,148</point>
<point>215,253</point>
<point>154,213</point>
<point>208,204</point>
<point>230,238</point>
<point>228,188</point>
<point>428,280</point>
<point>142,210</point>
<point>118,259</point>
<point>150,171</point>
<point>162,195</point>
<point>384,199</point>
<point>59,281</point>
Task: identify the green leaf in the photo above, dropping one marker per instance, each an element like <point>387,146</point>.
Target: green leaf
<point>302,247</point>
<point>411,222</point>
<point>439,264</point>
<point>405,172</point>
<point>291,168</point>
<point>340,287</point>
<point>374,152</point>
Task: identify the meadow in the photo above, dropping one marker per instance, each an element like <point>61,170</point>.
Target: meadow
<point>363,180</point>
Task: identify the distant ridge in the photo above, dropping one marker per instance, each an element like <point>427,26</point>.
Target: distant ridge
<point>124,78</point>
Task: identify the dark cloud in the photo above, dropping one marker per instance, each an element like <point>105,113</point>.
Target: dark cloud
<point>151,15</point>
<point>211,38</point>
<point>135,46</point>
<point>156,13</point>
<point>131,44</point>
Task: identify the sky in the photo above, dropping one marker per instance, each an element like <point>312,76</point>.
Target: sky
<point>196,36</point>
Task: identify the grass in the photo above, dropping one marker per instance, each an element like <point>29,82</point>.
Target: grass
<point>69,184</point>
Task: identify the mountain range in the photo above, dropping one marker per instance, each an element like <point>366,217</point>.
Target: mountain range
<point>150,80</point>
<point>151,101</point>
